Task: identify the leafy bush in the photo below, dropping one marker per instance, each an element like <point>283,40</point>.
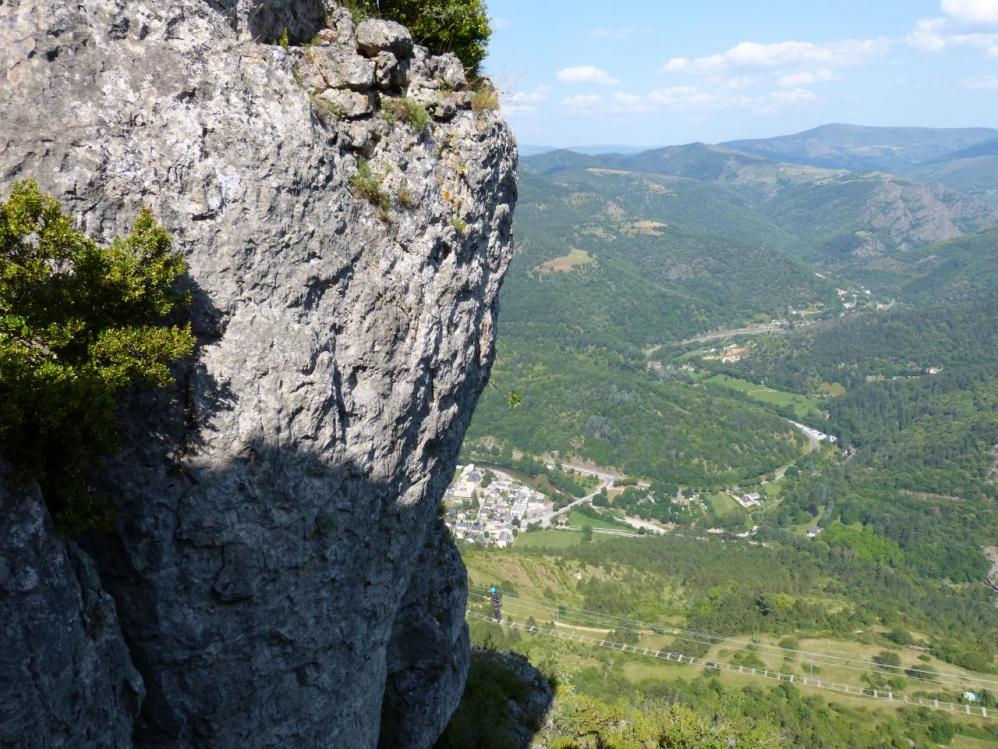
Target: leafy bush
<point>78,323</point>
<point>458,26</point>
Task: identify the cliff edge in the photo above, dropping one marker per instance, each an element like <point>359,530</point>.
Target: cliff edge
<point>277,575</point>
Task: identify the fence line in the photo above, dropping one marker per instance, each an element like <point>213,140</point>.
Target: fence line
<point>804,681</point>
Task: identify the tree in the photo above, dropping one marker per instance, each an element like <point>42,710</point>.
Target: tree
<point>458,26</point>
<point>78,323</point>
<point>587,533</point>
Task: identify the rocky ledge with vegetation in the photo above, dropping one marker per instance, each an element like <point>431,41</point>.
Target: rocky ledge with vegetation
<point>274,573</point>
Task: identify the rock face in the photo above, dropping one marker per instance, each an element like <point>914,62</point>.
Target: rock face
<point>66,677</point>
<point>277,567</point>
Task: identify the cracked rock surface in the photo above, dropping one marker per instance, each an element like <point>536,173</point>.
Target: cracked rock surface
<point>277,575</point>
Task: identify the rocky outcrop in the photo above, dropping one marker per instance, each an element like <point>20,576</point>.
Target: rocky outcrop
<point>533,703</point>
<point>66,677</point>
<point>277,567</point>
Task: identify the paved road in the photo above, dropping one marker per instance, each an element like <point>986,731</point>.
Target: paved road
<point>606,482</point>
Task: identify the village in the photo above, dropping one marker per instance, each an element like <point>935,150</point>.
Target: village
<point>490,508</point>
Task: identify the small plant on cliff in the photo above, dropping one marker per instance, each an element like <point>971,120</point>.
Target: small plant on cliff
<point>326,110</point>
<point>458,26</point>
<point>407,198</point>
<point>409,110</point>
<point>78,323</point>
<point>367,185</point>
<point>485,98</point>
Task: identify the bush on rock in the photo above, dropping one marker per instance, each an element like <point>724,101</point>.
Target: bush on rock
<point>78,322</point>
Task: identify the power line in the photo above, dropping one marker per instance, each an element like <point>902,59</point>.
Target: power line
<point>814,657</point>
<point>804,681</point>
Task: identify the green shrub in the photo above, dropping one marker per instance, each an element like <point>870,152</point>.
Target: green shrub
<point>78,323</point>
<point>483,719</point>
<point>409,110</point>
<point>458,26</point>
<point>459,224</point>
<point>367,185</point>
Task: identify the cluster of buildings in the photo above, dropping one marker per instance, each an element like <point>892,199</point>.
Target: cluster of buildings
<point>491,510</point>
<point>815,434</point>
<point>694,501</point>
<point>752,499</point>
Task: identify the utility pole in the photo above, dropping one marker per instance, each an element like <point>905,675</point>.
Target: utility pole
<point>496,597</point>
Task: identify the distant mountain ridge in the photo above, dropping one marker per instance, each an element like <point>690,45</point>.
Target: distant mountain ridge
<point>529,149</point>
<point>860,148</point>
<point>964,159</point>
<point>836,216</point>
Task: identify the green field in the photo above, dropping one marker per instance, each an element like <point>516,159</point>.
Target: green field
<point>553,539</point>
<point>637,591</point>
<point>803,407</point>
<point>721,503</point>
<point>577,519</point>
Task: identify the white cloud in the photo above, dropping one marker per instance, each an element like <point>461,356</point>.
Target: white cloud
<point>586,74</point>
<point>929,35</point>
<point>582,101</point>
<point>629,101</point>
<point>524,101</point>
<point>498,23</point>
<point>972,11</point>
<point>682,98</point>
<point>984,83</point>
<point>782,55</point>
<point>700,99</point>
<point>939,35</point>
<point>739,82</point>
<point>807,78</point>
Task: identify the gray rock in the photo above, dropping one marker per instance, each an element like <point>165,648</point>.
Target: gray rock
<point>391,73</point>
<point>375,35</point>
<point>530,710</point>
<point>349,104</point>
<point>442,107</point>
<point>429,647</point>
<point>268,20</point>
<point>365,135</point>
<point>66,678</point>
<point>341,68</point>
<point>274,510</point>
<point>340,28</point>
<point>447,71</point>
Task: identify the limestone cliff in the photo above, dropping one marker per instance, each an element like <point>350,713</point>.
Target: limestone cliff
<point>277,575</point>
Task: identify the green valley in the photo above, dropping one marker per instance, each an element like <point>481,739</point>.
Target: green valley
<point>802,400</point>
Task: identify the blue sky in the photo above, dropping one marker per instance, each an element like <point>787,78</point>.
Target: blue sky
<point>659,72</point>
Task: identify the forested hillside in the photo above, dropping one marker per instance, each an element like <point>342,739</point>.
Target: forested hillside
<point>678,316</point>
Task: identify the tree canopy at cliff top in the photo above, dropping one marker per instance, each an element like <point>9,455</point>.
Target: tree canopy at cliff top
<point>458,26</point>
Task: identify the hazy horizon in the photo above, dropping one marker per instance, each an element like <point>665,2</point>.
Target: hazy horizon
<point>528,149</point>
